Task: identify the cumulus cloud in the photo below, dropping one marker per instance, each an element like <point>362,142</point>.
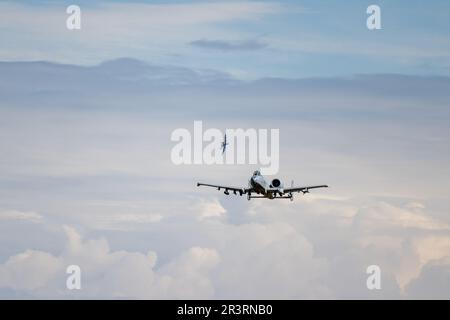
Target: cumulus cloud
<point>248,261</point>
<point>109,274</point>
<point>208,208</point>
<point>310,249</point>
<point>350,238</point>
<point>268,261</point>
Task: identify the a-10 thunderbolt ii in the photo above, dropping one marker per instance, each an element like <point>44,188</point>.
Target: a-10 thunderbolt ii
<point>263,189</point>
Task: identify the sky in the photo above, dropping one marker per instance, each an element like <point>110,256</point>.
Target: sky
<point>248,39</point>
<point>86,176</point>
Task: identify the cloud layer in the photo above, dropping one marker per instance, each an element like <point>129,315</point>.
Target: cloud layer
<point>229,46</point>
<point>89,148</point>
<point>307,39</point>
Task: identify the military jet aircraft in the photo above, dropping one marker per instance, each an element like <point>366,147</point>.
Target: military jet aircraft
<point>224,144</point>
<point>258,185</point>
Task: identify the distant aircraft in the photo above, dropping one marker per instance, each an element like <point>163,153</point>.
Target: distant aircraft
<point>258,185</point>
<point>224,144</point>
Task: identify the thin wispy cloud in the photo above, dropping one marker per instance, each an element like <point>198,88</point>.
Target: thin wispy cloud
<point>222,45</point>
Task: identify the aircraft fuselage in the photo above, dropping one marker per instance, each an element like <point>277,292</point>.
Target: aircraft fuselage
<point>259,184</point>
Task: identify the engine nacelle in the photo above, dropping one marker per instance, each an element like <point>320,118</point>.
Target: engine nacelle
<point>276,183</point>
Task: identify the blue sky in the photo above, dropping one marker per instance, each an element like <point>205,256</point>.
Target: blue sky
<point>297,38</point>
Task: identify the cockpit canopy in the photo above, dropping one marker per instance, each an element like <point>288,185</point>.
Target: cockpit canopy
<point>256,173</point>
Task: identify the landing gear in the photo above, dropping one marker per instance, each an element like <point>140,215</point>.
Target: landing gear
<point>248,196</point>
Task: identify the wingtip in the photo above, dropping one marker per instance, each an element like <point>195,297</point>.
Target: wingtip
<point>198,184</point>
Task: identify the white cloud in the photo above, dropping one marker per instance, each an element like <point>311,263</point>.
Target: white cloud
<point>433,247</point>
<point>385,216</point>
<point>268,261</point>
<point>211,208</point>
<point>351,236</point>
<point>29,271</point>
<point>109,274</point>
<point>20,215</point>
<point>285,250</point>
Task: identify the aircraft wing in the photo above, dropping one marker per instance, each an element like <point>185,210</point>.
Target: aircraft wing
<point>303,189</point>
<point>241,191</point>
